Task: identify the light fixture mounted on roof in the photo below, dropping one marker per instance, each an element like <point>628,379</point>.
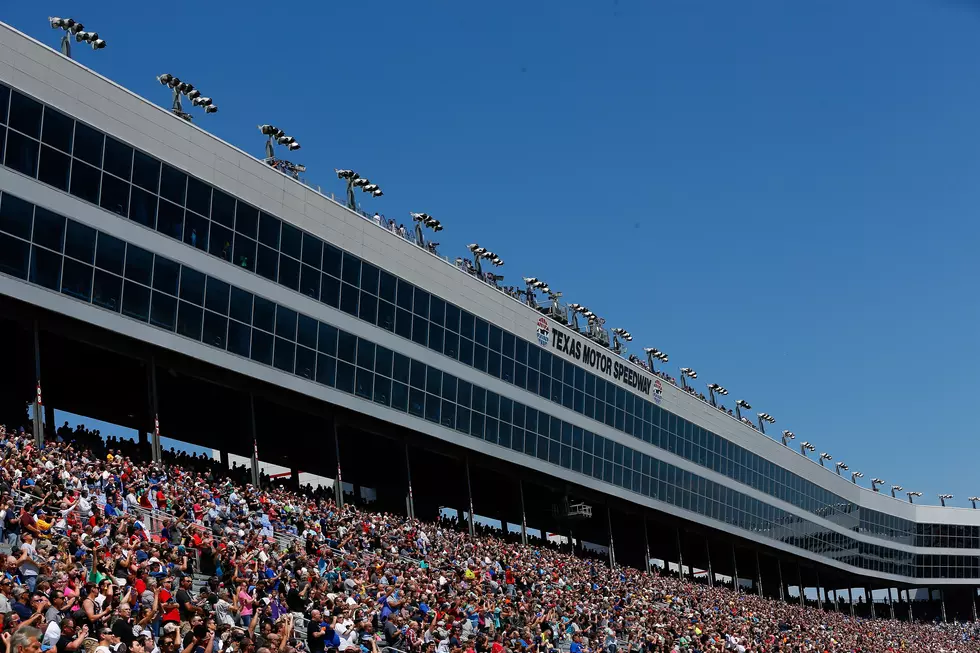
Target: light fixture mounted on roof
<point>974,500</point>
<point>765,417</point>
<point>713,389</point>
<point>875,482</point>
<point>943,497</point>
<point>825,456</point>
<point>355,180</point>
<point>181,88</point>
<point>655,354</point>
<point>806,446</point>
<point>739,404</point>
<point>687,372</point>
<point>787,436</point>
<point>855,476</point>
<point>914,494</point>
<point>896,488</point>
<point>73,27</point>
<point>421,220</point>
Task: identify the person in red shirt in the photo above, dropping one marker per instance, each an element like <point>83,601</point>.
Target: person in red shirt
<point>171,611</point>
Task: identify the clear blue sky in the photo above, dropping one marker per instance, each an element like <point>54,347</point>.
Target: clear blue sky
<point>781,195</point>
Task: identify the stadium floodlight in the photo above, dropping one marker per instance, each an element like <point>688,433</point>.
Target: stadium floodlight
<point>182,88</point>
<point>655,354</point>
<point>277,136</point>
<point>71,28</point>
<point>806,446</point>
<point>943,497</point>
<point>355,180</point>
<point>825,456</point>
<point>974,500</point>
<point>896,488</point>
<point>765,417</point>
<point>713,389</point>
<point>787,436</point>
<point>687,372</point>
<point>739,404</point>
<point>914,494</point>
<point>421,220</point>
<point>855,476</point>
<point>839,465</point>
<point>875,482</point>
<point>620,336</point>
<point>483,253</point>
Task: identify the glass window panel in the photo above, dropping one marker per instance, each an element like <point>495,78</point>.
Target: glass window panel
<point>401,368</point>
<point>436,334</point>
<point>285,355</point>
<point>16,216</point>
<point>85,182</point>
<point>58,130</point>
<point>465,351</point>
<point>192,286</point>
<point>111,252</point>
<point>312,250</point>
<point>346,346</point>
<point>262,344</point>
<point>49,229</point>
<point>196,230</point>
<point>386,316</point>
<point>327,339</point>
<point>383,360</point>
<point>239,338</point>
<point>349,297</point>
<point>118,159</point>
<point>115,195</point>
<point>352,269</point>
<point>241,305</point>
<point>466,322</point>
<point>421,304</point>
<point>285,323</point>
<point>216,298</point>
<point>382,390</point>
<point>22,154</point>
<point>189,319</point>
<point>326,369</point>
<point>420,330</point>
<point>136,301</point>
<point>80,241</point>
<point>25,114</point>
<point>482,332</point>
<point>495,338</point>
<point>369,278</point>
<point>368,310</point>
<point>416,402</point>
<point>215,329</point>
<point>399,396</point>
<point>247,220</point>
<point>309,281</point>
<point>289,272</point>
<point>54,168</point>
<point>88,144</point>
<point>267,262</point>
<point>219,242</point>
<point>365,354</point>
<point>329,290</point>
<point>451,345</point>
<point>345,377</point>
<point>452,318</point>
<point>173,184</point>
<point>388,285</point>
<point>14,256</point>
<point>432,406</point>
<point>292,241</point>
<point>146,172</point>
<point>163,311</point>
<point>264,314</point>
<point>269,228</point>
<point>198,196</point>
<point>223,208</point>
<point>305,362</point>
<point>170,217</point>
<point>165,275</point>
<point>244,255</point>
<point>332,260</point>
<point>403,323</point>
<point>306,331</point>
<point>405,293</point>
<point>143,209</point>
<point>107,290</point>
<point>4,102</point>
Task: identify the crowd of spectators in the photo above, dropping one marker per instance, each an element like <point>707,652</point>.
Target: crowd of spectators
<point>104,546</point>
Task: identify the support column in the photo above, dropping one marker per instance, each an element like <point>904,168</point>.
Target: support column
<point>38,404</point>
<point>156,452</point>
<point>520,486</point>
<point>256,473</point>
<point>819,597</point>
<point>908,598</point>
<point>850,601</point>
<point>338,485</point>
<point>680,555</point>
<point>469,490</point>
<point>942,603</point>
<point>836,602</point>
<point>711,573</point>
<point>758,574</point>
<point>646,546</point>
<point>782,590</point>
<point>612,547</point>
<point>410,499</point>
<point>891,605</point>
<point>735,569</point>
<point>973,603</point>
<point>49,421</point>
<point>799,580</point>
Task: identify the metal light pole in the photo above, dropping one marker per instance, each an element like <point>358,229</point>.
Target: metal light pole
<point>825,456</point>
<point>974,500</point>
<point>765,417</point>
<point>424,220</point>
<point>76,29</point>
<point>183,88</point>
<point>687,372</point>
<point>354,180</point>
<point>839,466</point>
<point>806,446</point>
<point>855,476</point>
<point>787,436</point>
<point>914,494</point>
<point>875,482</point>
<point>655,354</point>
<point>715,388</point>
<point>896,488</point>
<point>741,403</point>
<point>620,336</point>
<point>943,497</point>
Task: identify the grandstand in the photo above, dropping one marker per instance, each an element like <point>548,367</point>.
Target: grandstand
<point>155,277</point>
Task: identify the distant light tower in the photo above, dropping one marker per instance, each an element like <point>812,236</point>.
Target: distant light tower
<point>825,456</point>
<point>533,284</point>
<point>655,354</point>
<point>839,466</point>
<point>424,220</point>
<point>787,436</point>
<point>715,388</point>
<point>620,336</point>
<point>875,482</point>
<point>183,88</point>
<point>355,180</point>
<point>914,494</point>
<point>741,403</point>
<point>943,497</point>
<point>73,28</point>
<point>687,372</point>
<point>855,476</point>
<point>974,500</point>
<point>806,446</point>
<point>765,417</point>
<point>896,488</point>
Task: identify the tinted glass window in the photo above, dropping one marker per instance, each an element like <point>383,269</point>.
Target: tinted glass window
<point>269,228</point>
<point>264,314</point>
<point>387,287</point>
<point>198,196</point>
<point>54,168</point>
<point>25,115</point>
<point>16,216</point>
<point>80,241</point>
<point>306,333</point>
<point>332,260</point>
<point>14,256</point>
<point>312,250</point>
<point>76,280</point>
<point>88,144</point>
<point>352,269</point>
<point>247,220</point>
<point>173,184</point>
<point>22,153</point>
<point>165,275</point>
<point>110,253</point>
<point>146,171</point>
<point>85,181</point>
<point>58,130</point>
<point>45,268</point>
<point>192,286</point>
<point>285,323</point>
<point>292,240</point>
<point>118,159</point>
<point>4,102</point>
<point>107,290</point>
<point>222,208</point>
<point>115,195</point>
<point>49,229</point>
<point>139,264</point>
<point>241,305</point>
<point>216,298</point>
